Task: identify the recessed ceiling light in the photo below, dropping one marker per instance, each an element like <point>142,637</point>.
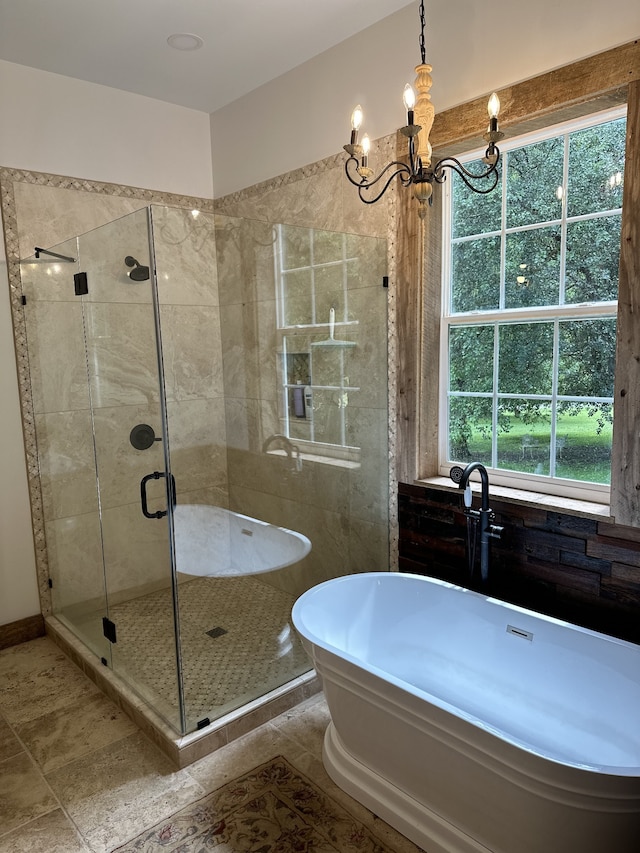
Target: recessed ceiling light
<point>185,41</point>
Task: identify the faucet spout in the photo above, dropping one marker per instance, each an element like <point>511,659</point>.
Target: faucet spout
<point>484,515</point>
<point>292,450</point>
<point>484,480</point>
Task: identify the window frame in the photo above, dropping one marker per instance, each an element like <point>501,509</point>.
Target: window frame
<point>560,487</point>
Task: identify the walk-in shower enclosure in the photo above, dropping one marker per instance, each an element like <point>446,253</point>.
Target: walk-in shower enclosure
<point>246,370</point>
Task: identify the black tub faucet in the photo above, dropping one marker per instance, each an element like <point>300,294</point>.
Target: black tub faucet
<point>484,515</point>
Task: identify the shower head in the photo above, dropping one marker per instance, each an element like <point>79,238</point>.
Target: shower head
<point>138,273</point>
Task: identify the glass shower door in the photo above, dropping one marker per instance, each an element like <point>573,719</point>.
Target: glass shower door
<point>131,458</point>
<point>63,426</point>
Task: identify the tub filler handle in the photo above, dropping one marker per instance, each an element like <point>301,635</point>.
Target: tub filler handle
<point>143,493</point>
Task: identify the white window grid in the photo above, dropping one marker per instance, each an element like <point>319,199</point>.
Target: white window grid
<point>317,324</point>
<point>501,316</point>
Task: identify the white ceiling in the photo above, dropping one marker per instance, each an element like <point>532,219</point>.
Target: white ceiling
<point>123,43</point>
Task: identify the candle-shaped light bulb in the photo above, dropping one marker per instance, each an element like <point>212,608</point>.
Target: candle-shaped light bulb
<point>366,147</point>
<point>409,98</point>
<point>493,108</point>
<point>356,121</point>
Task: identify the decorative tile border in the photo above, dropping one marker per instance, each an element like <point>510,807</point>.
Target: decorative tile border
<point>222,205</point>
<point>9,214</point>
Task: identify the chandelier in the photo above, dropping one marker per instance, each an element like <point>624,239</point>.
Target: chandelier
<point>419,172</point>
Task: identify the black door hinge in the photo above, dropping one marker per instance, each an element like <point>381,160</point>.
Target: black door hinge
<point>80,283</point>
<point>385,281</point>
<point>50,583</point>
<point>109,629</point>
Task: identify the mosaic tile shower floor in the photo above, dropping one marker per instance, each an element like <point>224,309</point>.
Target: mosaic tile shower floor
<point>237,643</point>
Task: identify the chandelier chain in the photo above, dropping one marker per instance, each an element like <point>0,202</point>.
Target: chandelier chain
<point>422,22</point>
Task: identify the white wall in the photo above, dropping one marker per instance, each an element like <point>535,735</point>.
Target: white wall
<point>65,126</point>
<point>474,47</point>
<point>57,124</point>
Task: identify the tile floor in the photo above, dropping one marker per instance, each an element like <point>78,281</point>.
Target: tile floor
<point>76,775</point>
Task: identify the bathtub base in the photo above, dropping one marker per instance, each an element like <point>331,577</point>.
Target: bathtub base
<point>413,819</point>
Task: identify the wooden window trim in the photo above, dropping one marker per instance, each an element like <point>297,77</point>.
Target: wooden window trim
<point>608,79</point>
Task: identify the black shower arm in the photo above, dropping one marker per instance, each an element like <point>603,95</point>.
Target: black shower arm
<point>38,251</point>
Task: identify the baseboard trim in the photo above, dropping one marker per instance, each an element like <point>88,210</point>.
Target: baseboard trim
<point>21,631</point>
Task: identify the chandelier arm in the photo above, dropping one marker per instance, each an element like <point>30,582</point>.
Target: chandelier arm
<point>398,173</point>
<point>467,176</point>
<point>457,166</point>
<point>364,183</point>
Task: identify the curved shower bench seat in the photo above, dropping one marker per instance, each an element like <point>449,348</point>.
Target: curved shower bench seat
<point>211,541</point>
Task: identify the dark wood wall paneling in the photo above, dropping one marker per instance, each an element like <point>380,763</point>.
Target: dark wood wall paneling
<point>578,569</point>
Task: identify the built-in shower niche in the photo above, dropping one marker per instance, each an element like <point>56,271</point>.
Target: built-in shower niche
<point>317,391</point>
<point>297,384</point>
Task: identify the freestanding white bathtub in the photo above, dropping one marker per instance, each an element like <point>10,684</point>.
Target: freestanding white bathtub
<point>472,725</point>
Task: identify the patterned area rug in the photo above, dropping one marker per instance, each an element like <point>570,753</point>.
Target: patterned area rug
<point>272,809</point>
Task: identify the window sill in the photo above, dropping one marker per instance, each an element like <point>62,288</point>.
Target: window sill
<point>537,500</point>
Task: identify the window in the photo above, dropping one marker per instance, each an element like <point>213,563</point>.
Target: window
<point>317,331</point>
<point>529,319</point>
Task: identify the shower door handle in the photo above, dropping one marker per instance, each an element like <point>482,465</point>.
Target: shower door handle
<point>143,493</point>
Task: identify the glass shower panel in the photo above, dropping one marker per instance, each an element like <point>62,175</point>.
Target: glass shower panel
<point>63,425</point>
<point>127,406</point>
<point>185,253</point>
<point>301,337</point>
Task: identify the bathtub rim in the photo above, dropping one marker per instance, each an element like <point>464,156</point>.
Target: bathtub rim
<point>311,639</point>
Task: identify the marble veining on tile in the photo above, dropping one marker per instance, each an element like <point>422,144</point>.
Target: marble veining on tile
<point>53,833</point>
<point>38,678</point>
<point>118,790</point>
<point>24,794</point>
<point>57,738</point>
<point>80,204</point>
<point>9,743</point>
<point>92,803</point>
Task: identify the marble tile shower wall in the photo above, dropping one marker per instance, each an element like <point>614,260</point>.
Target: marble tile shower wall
<point>343,510</point>
<point>186,262</point>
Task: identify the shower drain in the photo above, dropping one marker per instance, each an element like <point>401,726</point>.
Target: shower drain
<point>216,632</point>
